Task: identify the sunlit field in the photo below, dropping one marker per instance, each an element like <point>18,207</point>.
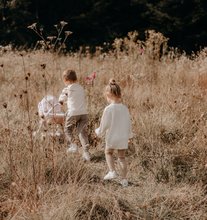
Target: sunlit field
<point>165,91</point>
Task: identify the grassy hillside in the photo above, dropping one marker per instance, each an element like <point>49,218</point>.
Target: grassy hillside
<point>166,95</point>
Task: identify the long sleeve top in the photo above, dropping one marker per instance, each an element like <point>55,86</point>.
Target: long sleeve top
<point>116,126</point>
<point>74,95</point>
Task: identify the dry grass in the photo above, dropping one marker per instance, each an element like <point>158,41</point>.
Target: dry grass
<point>166,95</point>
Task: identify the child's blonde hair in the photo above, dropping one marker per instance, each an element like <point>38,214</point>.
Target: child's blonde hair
<point>69,75</point>
<point>113,88</point>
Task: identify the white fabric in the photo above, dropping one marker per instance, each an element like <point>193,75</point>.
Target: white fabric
<point>116,126</point>
<point>74,95</point>
<point>49,106</point>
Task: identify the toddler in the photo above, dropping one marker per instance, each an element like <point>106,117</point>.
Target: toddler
<point>116,126</point>
<point>76,116</point>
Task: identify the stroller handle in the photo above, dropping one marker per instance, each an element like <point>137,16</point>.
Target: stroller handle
<point>52,108</point>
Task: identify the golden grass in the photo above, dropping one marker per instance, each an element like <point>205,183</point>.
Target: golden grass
<point>166,95</point>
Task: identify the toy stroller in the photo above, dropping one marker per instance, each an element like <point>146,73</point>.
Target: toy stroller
<point>50,112</point>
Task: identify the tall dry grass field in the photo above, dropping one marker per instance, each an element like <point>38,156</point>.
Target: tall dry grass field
<point>166,95</point>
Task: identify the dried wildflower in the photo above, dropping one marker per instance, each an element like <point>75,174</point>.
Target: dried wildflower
<point>51,38</point>
<point>5,105</point>
<point>20,96</point>
<point>41,42</point>
<point>28,74</point>
<point>25,91</point>
<point>43,75</point>
<point>43,65</point>
<point>26,77</point>
<point>90,79</point>
<point>2,65</point>
<point>67,33</point>
<point>141,50</point>
<point>63,23</point>
<point>33,26</point>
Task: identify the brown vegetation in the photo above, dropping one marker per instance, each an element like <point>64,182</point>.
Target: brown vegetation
<point>165,92</point>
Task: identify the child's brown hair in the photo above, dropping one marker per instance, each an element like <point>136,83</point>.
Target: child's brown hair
<point>69,75</point>
<point>113,88</point>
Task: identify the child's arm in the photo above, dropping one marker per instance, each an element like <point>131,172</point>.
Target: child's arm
<point>63,96</point>
<point>105,123</point>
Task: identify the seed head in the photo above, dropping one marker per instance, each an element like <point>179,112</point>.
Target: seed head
<point>43,65</point>
<point>51,38</point>
<point>63,23</point>
<point>5,105</point>
<point>67,33</point>
<point>32,26</point>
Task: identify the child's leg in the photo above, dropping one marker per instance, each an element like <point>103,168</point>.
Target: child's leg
<point>123,164</point>
<point>70,125</point>
<point>110,159</point>
<point>82,129</point>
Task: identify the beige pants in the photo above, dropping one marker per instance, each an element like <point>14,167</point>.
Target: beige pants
<point>77,126</point>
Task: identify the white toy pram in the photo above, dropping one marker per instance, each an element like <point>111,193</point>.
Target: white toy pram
<point>50,112</point>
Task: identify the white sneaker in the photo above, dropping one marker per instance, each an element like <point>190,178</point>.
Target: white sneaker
<point>124,182</point>
<point>86,156</point>
<point>72,149</point>
<point>110,175</point>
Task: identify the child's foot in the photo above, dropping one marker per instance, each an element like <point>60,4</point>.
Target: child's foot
<point>124,182</point>
<point>86,156</point>
<point>110,175</point>
<point>72,149</point>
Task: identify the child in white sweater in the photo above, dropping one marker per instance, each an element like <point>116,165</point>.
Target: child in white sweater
<point>116,126</point>
<point>77,116</point>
